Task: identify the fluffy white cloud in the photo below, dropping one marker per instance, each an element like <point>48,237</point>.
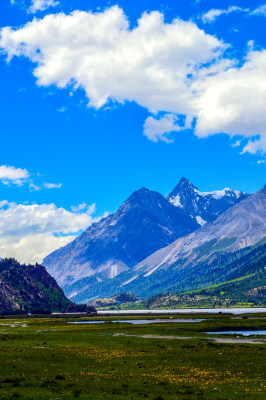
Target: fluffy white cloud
<point>30,232</point>
<point>158,129</point>
<point>12,175</point>
<point>174,68</point>
<point>213,14</point>
<point>41,5</point>
<point>149,64</point>
<point>233,101</point>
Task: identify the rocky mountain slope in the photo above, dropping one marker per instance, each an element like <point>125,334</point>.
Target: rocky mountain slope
<point>143,224</point>
<point>29,288</point>
<point>191,261</point>
<point>203,206</point>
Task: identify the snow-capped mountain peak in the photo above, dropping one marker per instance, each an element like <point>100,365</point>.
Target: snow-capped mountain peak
<point>203,206</point>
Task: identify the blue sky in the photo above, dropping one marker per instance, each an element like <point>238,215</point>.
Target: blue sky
<point>95,105</point>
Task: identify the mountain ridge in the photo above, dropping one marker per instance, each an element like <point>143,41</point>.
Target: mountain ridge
<point>240,226</point>
<point>145,222</point>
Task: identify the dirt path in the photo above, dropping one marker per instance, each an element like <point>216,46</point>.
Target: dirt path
<point>218,340</point>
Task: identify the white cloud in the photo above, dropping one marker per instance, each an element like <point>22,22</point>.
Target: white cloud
<point>30,232</point>
<point>41,5</point>
<point>237,143</point>
<point>100,53</point>
<point>213,14</point>
<point>173,68</point>
<point>82,207</point>
<point>259,11</point>
<point>233,101</point>
<point>255,146</point>
<point>157,129</point>
<point>17,176</point>
<point>11,175</point>
<point>52,185</point>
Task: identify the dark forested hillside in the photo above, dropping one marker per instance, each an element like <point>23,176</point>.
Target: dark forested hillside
<point>29,288</point>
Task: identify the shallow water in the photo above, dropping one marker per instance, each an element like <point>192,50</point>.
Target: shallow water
<point>140,321</point>
<point>243,333</point>
<point>185,311</point>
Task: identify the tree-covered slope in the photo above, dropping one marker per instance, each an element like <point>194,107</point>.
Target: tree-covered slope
<point>29,288</point>
<point>181,277</point>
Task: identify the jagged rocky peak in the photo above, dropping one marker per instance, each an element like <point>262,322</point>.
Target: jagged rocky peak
<point>181,192</point>
<point>203,206</point>
<point>185,183</point>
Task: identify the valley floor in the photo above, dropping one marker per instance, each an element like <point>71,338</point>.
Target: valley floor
<point>54,359</point>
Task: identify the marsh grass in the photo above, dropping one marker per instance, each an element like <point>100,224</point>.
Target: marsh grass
<point>51,359</point>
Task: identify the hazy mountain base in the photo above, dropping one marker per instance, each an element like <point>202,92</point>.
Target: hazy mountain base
<point>217,268</point>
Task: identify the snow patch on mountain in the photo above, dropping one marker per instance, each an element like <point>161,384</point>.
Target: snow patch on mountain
<point>176,201</point>
<point>200,221</point>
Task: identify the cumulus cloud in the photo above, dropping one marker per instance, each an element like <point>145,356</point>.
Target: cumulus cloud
<point>233,101</point>
<point>213,14</point>
<point>41,5</point>
<point>100,53</point>
<point>11,175</point>
<point>158,129</point>
<point>171,68</point>
<point>30,232</point>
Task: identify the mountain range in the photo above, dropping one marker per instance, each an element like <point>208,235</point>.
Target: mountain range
<point>197,260</point>
<point>110,253</point>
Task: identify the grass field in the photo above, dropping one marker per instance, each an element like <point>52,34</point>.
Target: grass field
<point>52,359</point>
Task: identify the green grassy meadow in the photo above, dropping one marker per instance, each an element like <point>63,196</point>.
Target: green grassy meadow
<point>52,359</point>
